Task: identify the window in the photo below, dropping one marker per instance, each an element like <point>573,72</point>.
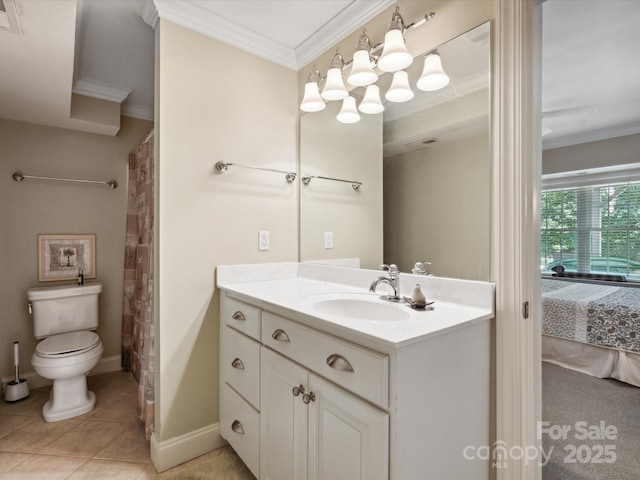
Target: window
<point>593,229</point>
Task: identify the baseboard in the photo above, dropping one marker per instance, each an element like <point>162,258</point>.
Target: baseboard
<point>169,453</point>
<point>105,365</point>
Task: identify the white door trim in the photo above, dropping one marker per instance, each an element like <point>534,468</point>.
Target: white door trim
<point>516,177</point>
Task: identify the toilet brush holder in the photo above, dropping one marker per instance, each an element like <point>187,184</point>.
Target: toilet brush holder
<point>18,388</point>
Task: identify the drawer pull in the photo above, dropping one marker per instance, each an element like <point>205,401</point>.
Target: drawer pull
<point>308,397</point>
<point>236,426</point>
<point>237,363</point>
<point>339,363</point>
<point>280,335</point>
<point>297,390</point>
<point>238,316</point>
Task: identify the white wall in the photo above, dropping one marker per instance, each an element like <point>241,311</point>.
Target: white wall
<point>216,102</point>
<point>35,206</point>
<point>603,153</point>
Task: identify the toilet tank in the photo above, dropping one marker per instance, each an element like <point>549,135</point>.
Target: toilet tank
<point>64,308</point>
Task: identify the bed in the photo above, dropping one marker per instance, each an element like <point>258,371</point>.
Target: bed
<point>592,328</point>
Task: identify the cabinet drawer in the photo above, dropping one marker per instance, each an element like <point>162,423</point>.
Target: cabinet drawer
<point>240,364</point>
<point>357,369</point>
<point>241,316</point>
<point>240,426</point>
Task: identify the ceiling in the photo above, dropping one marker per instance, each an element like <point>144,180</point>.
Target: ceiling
<point>104,49</point>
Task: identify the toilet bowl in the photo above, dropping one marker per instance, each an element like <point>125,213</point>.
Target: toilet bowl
<point>64,317</point>
<point>66,359</point>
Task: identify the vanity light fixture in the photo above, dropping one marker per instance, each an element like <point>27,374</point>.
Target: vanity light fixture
<point>371,103</point>
<point>395,55</point>
<point>348,113</point>
<point>362,73</point>
<point>399,91</point>
<point>334,88</point>
<point>433,75</point>
<point>312,101</point>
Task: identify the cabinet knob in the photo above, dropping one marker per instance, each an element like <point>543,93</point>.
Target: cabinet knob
<point>237,363</point>
<point>339,363</point>
<point>297,390</point>
<point>238,316</point>
<point>309,397</point>
<point>280,335</point>
<point>236,426</point>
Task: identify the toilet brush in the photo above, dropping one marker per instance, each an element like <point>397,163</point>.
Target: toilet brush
<point>18,388</point>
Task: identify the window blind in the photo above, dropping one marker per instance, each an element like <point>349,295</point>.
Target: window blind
<point>592,230</point>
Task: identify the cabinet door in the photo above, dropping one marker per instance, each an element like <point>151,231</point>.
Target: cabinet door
<point>348,437</point>
<point>283,419</point>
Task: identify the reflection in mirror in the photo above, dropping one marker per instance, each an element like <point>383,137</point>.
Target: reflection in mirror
<point>433,157</point>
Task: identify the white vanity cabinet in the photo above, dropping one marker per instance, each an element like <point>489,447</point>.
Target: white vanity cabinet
<point>311,428</point>
<point>303,397</point>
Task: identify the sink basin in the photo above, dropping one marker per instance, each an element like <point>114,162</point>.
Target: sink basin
<point>361,308</point>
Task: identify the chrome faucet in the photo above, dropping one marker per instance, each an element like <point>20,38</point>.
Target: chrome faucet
<point>392,280</point>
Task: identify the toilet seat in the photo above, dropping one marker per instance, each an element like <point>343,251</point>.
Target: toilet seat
<point>67,344</point>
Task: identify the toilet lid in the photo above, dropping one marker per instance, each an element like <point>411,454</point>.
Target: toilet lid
<point>66,343</point>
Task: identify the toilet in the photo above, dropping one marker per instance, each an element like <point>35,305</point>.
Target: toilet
<point>64,317</point>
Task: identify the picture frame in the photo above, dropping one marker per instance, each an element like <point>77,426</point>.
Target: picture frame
<point>60,257</point>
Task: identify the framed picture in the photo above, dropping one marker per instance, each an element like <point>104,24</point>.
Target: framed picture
<point>61,257</point>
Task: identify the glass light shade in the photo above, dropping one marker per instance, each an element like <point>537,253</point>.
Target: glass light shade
<point>399,91</point>
<point>395,55</point>
<point>433,76</point>
<point>348,113</point>
<point>334,88</point>
<point>362,73</point>
<point>312,101</point>
<point>371,103</point>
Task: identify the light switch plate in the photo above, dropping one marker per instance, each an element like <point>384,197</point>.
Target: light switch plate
<point>328,240</point>
<point>263,240</point>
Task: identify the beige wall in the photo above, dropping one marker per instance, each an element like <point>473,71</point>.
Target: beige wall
<point>352,152</point>
<point>215,103</point>
<point>36,206</point>
<point>436,207</point>
<point>604,153</point>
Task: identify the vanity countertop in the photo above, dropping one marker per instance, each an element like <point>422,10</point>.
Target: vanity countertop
<point>293,290</point>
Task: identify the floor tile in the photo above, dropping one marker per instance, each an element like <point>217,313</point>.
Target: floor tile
<point>44,467</point>
<point>9,423</point>
<point>120,382</point>
<point>32,405</point>
<point>85,439</point>
<point>8,460</point>
<point>117,408</point>
<point>130,446</point>
<point>35,435</point>
<point>108,470</point>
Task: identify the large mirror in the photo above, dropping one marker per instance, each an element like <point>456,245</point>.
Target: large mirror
<point>425,168</point>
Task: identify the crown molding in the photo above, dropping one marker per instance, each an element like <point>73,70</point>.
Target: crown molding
<point>91,88</point>
<point>195,17</point>
<point>346,22</point>
<point>148,12</point>
<point>592,136</point>
<point>137,111</point>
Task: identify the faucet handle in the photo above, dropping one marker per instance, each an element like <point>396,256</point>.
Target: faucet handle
<point>392,269</point>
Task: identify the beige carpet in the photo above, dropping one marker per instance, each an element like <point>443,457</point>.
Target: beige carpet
<point>569,397</point>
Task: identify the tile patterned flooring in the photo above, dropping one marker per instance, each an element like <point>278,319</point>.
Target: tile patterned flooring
<point>106,443</point>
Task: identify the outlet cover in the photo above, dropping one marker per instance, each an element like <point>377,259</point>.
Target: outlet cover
<point>263,240</point>
<point>328,240</point>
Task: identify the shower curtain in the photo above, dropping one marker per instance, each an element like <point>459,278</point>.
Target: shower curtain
<point>137,309</point>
